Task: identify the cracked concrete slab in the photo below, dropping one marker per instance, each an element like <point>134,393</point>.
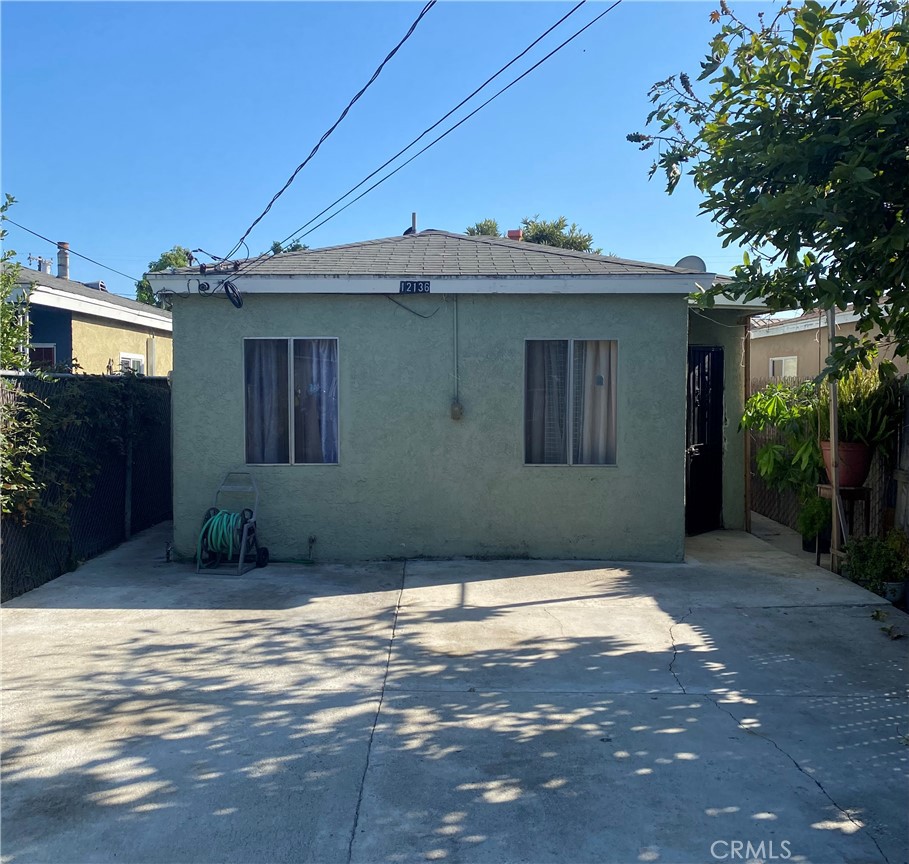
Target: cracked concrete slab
<point>500,777</point>
<point>805,651</point>
<point>850,746</point>
<point>557,647</point>
<point>760,576</point>
<point>151,625</point>
<point>194,649</point>
<point>463,711</point>
<point>177,777</point>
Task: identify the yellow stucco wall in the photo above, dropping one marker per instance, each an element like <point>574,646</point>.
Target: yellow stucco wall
<point>98,344</point>
<point>810,346</point>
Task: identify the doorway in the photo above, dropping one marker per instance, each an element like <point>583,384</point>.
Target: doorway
<point>704,441</point>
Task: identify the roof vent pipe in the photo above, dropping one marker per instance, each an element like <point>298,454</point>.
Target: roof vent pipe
<point>63,260</point>
<point>515,234</point>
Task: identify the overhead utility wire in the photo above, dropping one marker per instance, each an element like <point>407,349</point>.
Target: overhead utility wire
<point>249,264</point>
<point>71,251</point>
<point>295,234</point>
<point>460,122</point>
<point>332,128</point>
<point>438,122</point>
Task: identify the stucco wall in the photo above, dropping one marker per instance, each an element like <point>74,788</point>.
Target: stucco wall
<point>96,343</point>
<point>810,346</point>
<point>719,329</point>
<point>412,481</point>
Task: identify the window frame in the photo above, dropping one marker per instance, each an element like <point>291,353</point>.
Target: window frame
<point>51,345</point>
<point>290,402</point>
<point>786,357</point>
<point>569,404</point>
<point>127,356</point>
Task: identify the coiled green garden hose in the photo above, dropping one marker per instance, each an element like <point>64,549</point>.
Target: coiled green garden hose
<point>220,530</point>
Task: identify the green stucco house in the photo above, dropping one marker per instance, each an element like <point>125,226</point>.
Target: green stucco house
<point>436,394</point>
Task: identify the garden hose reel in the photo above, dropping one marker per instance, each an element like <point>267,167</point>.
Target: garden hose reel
<point>231,537</point>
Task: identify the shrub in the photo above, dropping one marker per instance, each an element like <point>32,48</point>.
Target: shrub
<point>872,561</point>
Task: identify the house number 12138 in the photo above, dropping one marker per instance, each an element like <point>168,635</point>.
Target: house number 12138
<point>410,287</point>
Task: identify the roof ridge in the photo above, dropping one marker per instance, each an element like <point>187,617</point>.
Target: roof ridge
<point>545,249</point>
<point>356,243</point>
<point>256,262</point>
<point>443,253</point>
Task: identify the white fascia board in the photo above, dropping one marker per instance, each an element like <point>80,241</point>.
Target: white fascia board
<point>720,301</point>
<point>799,325</point>
<point>41,295</point>
<point>752,307</point>
<point>669,283</point>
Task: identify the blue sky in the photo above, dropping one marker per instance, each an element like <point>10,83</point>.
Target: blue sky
<point>129,127</point>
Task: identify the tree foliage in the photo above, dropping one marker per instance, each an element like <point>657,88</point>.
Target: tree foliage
<point>484,228</point>
<point>20,444</point>
<point>177,256</point>
<point>14,335</point>
<point>555,232</point>
<point>276,247</point>
<point>800,150</point>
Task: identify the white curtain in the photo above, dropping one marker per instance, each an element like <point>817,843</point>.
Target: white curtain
<point>267,439</point>
<point>595,402</point>
<point>315,400</point>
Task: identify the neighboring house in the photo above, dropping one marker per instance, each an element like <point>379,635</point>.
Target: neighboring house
<point>437,395</point>
<point>103,333</point>
<point>798,347</point>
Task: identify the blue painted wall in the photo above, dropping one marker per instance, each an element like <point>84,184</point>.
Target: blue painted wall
<point>53,325</point>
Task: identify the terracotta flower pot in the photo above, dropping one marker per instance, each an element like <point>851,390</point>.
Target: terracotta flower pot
<point>854,462</point>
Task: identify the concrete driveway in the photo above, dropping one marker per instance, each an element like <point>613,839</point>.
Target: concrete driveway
<point>457,711</point>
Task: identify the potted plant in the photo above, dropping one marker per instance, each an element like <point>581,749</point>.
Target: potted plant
<point>868,417</point>
<point>814,521</point>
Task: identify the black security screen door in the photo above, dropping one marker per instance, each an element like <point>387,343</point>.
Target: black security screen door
<point>704,441</point>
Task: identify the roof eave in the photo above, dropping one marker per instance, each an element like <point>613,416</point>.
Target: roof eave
<point>55,298</point>
<point>617,283</point>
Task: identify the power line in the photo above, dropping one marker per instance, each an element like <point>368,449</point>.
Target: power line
<point>296,235</point>
<point>438,122</point>
<point>332,128</point>
<point>71,251</point>
<point>436,140</point>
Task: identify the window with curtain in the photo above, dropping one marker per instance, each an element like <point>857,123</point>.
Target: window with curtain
<point>291,401</point>
<point>570,402</point>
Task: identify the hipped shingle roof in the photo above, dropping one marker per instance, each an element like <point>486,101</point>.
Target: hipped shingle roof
<point>434,253</point>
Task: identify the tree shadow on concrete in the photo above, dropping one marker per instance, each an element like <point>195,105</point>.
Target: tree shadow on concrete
<point>541,723</point>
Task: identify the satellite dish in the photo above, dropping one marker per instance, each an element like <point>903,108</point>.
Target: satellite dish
<point>692,262</point>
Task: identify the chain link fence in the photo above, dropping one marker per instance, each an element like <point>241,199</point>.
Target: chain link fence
<point>783,505</point>
<point>119,481</point>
